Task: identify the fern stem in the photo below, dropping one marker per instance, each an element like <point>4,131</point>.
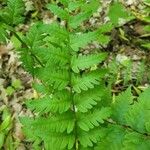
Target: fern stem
<point>25,45</point>
<point>72,99</point>
<point>71,88</point>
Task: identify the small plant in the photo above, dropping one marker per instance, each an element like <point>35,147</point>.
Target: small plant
<point>74,109</point>
<point>5,127</point>
<point>70,112</point>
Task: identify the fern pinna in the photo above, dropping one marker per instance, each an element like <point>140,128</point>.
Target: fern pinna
<point>69,112</point>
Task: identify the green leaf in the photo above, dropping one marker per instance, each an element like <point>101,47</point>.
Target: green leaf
<point>27,59</point>
<point>16,84</point>
<point>58,56</point>
<point>3,33</point>
<point>60,12</point>
<point>73,5</point>
<point>59,78</point>
<point>81,40</point>
<point>87,121</point>
<point>121,106</point>
<point>147,45</point>
<point>2,138</point>
<point>9,143</point>
<point>34,37</point>
<point>87,80</point>
<point>5,124</point>
<point>136,141</point>
<point>10,90</point>
<point>15,41</point>
<point>85,62</point>
<point>116,12</point>
<point>84,102</point>
<point>87,10</point>
<point>89,138</point>
<point>75,21</point>
<point>13,15</point>
<point>112,138</point>
<point>139,113</point>
<point>59,102</point>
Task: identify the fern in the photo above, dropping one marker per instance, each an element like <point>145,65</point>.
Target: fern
<point>71,112</point>
<point>130,126</point>
<point>13,14</point>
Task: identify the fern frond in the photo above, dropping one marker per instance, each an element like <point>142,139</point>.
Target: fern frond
<point>59,78</point>
<point>34,37</point>
<point>28,61</point>
<point>84,62</point>
<point>89,138</point>
<point>112,138</point>
<point>89,120</point>
<point>81,40</point>
<point>87,80</point>
<point>73,5</point>
<point>136,115</point>
<point>59,141</point>
<point>70,111</point>
<point>75,21</point>
<point>3,33</point>
<point>58,123</point>
<point>59,102</point>
<point>87,9</point>
<point>13,14</point>
<point>84,102</point>
<point>60,12</point>
<point>139,113</point>
<point>54,30</point>
<point>58,56</point>
<point>135,140</point>
<point>52,140</point>
<point>121,106</point>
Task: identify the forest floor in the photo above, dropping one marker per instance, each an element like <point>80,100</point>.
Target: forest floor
<point>16,83</point>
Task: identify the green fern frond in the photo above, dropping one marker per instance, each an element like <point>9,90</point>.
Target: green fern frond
<point>58,56</point>
<point>28,61</point>
<point>50,138</point>
<point>73,5</point>
<point>121,105</point>
<point>71,107</point>
<point>59,78</point>
<point>89,120</point>
<point>34,37</point>
<point>87,80</point>
<point>117,137</point>
<point>13,14</point>
<point>85,62</point>
<point>54,30</point>
<point>58,123</point>
<point>87,139</point>
<point>112,138</point>
<point>3,33</point>
<point>84,102</point>
<point>136,115</point>
<point>81,40</point>
<point>87,9</point>
<point>60,12</point>
<point>75,21</point>
<point>134,140</point>
<point>59,141</point>
<point>59,102</point>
